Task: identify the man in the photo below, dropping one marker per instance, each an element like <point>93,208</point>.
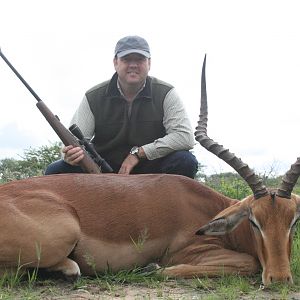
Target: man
<point>137,122</point>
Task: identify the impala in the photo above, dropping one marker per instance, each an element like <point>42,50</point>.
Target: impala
<point>85,223</point>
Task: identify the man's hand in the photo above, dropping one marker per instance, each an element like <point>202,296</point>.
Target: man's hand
<point>73,155</point>
<point>128,164</point>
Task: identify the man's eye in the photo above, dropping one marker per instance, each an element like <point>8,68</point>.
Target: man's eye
<point>135,60</point>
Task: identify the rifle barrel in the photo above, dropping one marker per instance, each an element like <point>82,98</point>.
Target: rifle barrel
<point>20,77</point>
<point>87,163</point>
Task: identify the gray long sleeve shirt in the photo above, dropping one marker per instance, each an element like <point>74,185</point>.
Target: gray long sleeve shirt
<point>179,133</point>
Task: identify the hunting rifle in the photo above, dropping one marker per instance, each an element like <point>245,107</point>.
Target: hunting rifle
<point>89,164</point>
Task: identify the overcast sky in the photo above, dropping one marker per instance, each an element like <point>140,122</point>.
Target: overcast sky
<point>62,48</point>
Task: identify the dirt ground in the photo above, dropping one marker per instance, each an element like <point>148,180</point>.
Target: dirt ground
<point>168,290</point>
<point>139,293</point>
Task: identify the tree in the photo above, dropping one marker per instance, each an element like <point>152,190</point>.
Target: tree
<point>32,163</point>
<point>229,184</point>
<point>232,185</point>
<point>200,175</point>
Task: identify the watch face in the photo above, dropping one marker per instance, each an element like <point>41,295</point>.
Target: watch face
<point>134,150</point>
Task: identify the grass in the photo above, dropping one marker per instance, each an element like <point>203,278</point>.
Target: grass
<point>148,285</point>
<point>145,286</point>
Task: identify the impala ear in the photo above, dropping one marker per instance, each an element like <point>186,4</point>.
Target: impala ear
<point>225,221</point>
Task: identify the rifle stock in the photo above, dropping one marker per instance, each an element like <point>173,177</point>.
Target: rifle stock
<point>87,163</point>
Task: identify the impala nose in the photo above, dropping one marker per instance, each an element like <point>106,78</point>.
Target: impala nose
<point>272,278</point>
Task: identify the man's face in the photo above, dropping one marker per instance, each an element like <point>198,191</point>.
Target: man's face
<point>132,69</point>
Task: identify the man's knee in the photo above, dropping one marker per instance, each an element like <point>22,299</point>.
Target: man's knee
<point>54,168</point>
<point>60,166</point>
<point>182,163</point>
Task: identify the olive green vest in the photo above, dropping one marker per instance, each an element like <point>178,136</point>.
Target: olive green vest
<point>115,131</point>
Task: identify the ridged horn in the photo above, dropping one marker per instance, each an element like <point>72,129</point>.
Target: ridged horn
<point>255,183</point>
<point>289,180</point>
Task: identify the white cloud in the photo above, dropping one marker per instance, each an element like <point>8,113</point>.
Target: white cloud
<point>62,48</point>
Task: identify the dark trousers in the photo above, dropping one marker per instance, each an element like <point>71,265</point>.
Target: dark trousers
<point>179,162</point>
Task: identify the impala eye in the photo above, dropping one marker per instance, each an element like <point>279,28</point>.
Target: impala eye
<point>253,224</point>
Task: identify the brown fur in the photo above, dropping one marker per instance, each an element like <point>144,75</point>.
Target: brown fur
<point>123,221</point>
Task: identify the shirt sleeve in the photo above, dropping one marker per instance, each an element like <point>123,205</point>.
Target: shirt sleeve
<point>84,119</point>
<point>179,133</point>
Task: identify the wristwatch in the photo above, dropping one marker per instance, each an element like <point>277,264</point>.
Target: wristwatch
<point>135,151</point>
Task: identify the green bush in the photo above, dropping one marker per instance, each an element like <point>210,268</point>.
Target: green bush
<point>232,185</point>
<point>229,184</point>
<point>32,163</point>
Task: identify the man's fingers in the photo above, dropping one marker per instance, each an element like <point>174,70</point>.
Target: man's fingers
<point>67,148</point>
<point>124,170</point>
<point>78,159</point>
<point>73,155</point>
<point>128,164</point>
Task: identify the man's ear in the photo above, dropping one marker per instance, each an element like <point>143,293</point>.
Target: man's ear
<point>115,61</point>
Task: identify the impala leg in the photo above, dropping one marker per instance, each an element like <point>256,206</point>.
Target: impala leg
<point>68,267</point>
<point>218,263</point>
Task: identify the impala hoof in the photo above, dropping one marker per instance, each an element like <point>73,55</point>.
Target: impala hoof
<point>151,268</point>
<point>68,267</point>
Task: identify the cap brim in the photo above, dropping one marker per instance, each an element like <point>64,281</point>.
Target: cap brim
<point>130,51</point>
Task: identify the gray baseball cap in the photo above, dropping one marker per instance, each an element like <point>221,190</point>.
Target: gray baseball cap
<point>132,44</point>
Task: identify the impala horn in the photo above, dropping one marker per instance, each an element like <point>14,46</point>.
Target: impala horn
<point>256,185</point>
<point>289,180</point>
